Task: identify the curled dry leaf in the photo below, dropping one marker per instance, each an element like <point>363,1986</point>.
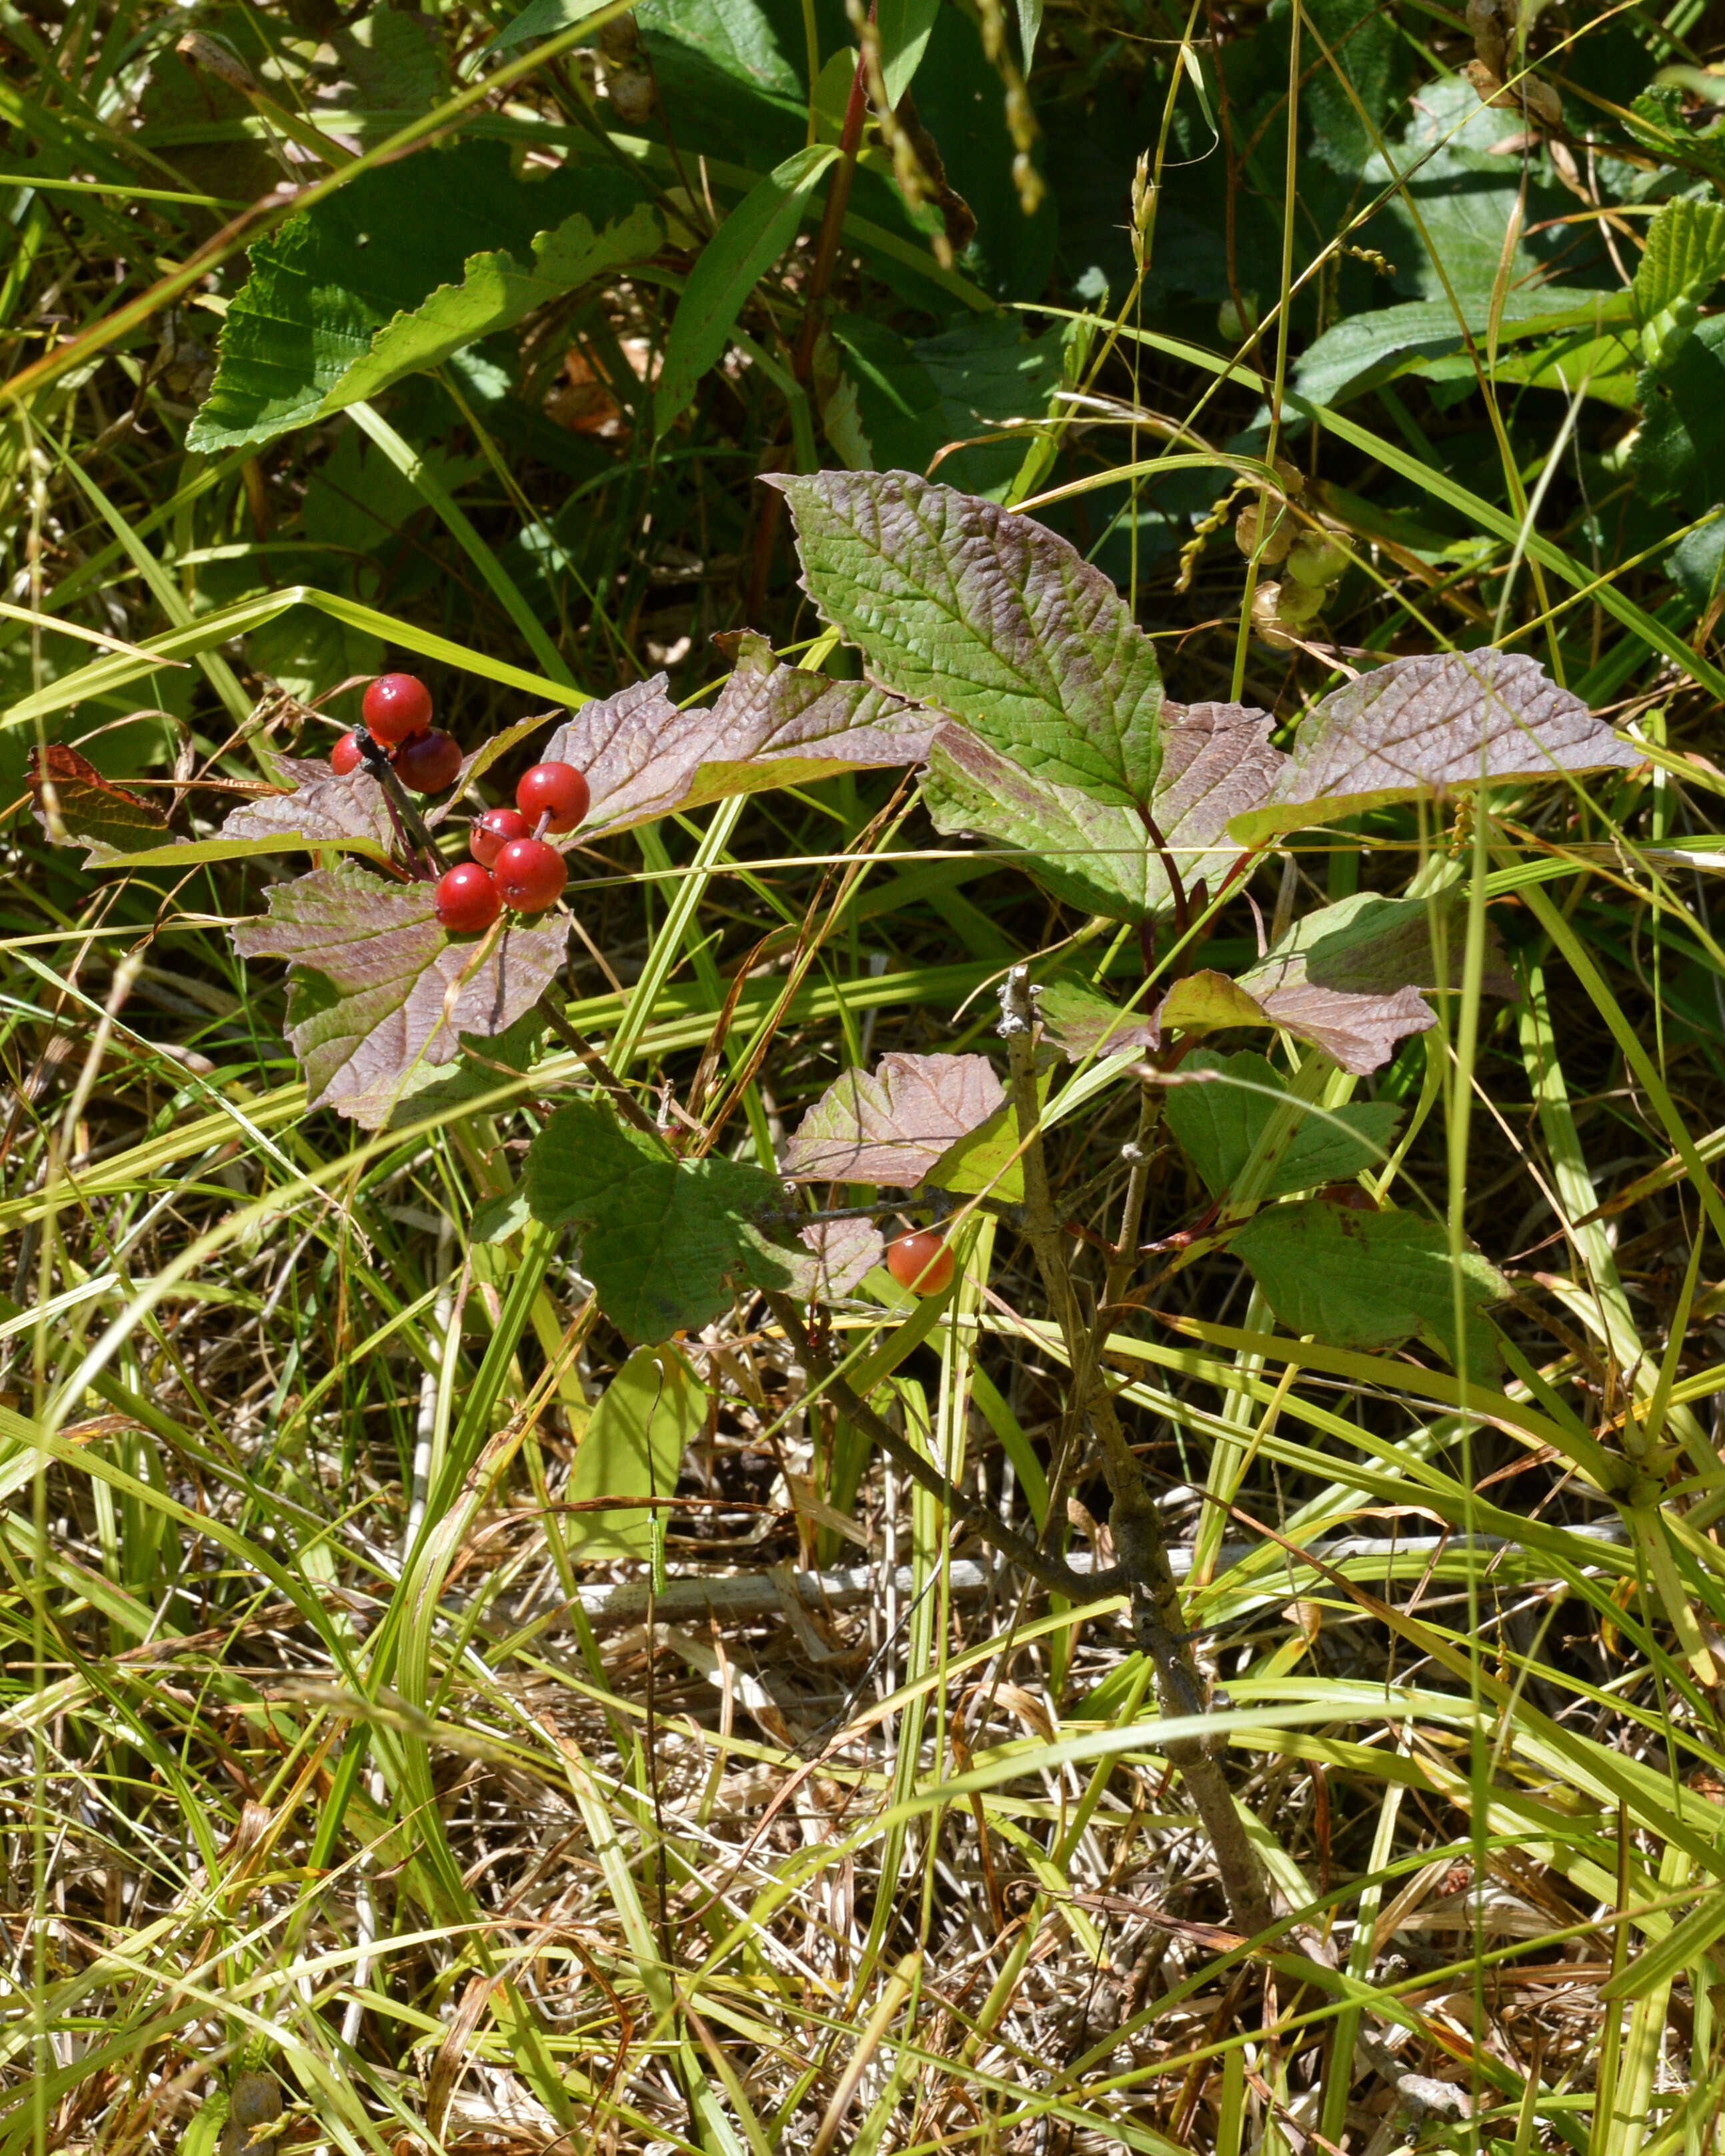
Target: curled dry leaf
<point>1218,762</point>
<point>894,1126</point>
<point>772,726</point>
<point>990,617</point>
<point>76,806</point>
<point>1421,725</point>
<point>378,988</point>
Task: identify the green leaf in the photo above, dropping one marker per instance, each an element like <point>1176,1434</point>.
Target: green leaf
<point>1683,260</point>
<point>895,402</point>
<point>1366,46</point>
<point>1030,23</point>
<point>647,1418</point>
<point>1219,1121</point>
<point>1371,1280</point>
<point>541,19</point>
<point>1420,726</point>
<point>1218,762</point>
<point>1086,1024</point>
<point>905,26</point>
<point>391,274</point>
<point>1364,351</point>
<point>990,617</point>
<point>663,1241</point>
<point>733,261</point>
<point>1679,447</point>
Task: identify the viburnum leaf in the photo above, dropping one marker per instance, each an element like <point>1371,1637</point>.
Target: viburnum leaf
<point>1371,1280</point>
<point>1445,720</point>
<point>377,987</point>
<point>990,617</point>
<point>666,1242</point>
<point>480,760</point>
<point>1218,760</point>
<point>893,1127</point>
<point>1347,977</point>
<point>77,807</point>
<point>1085,1024</point>
<point>1217,1121</point>
<point>843,1250</point>
<point>772,726</point>
<point>320,810</point>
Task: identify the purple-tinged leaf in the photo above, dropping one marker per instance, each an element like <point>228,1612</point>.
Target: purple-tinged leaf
<point>772,726</point>
<point>666,1242</point>
<point>990,617</point>
<point>479,761</point>
<point>322,810</point>
<point>1420,726</point>
<point>893,1127</point>
<point>1371,1280</point>
<point>842,1251</point>
<point>77,807</point>
<point>1099,856</point>
<point>1349,978</point>
<point>1084,1024</point>
<point>377,987</point>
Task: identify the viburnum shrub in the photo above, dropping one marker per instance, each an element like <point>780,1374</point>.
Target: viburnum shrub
<point>1011,674</point>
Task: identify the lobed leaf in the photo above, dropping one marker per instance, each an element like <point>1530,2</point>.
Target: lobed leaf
<point>894,1126</point>
<point>377,988</point>
<point>1349,978</point>
<point>321,809</point>
<point>76,806</point>
<point>843,1251</point>
<point>1371,1280</point>
<point>1218,762</point>
<point>1085,1024</point>
<point>772,726</point>
<point>1219,1121</point>
<point>990,617</point>
<point>1420,726</point>
<point>666,1242</point>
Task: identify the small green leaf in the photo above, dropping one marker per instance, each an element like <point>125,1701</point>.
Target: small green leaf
<point>731,264</point>
<point>1683,260</point>
<point>905,26</point>
<point>647,1418</point>
<point>541,19</point>
<point>1218,1122</point>
<point>663,1241</point>
<point>1371,1280</point>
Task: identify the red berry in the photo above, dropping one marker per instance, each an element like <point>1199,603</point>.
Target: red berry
<point>920,1261</point>
<point>530,875</point>
<point>345,757</point>
<point>559,788</point>
<point>467,899</point>
<point>429,761</point>
<point>396,706</point>
<point>492,832</point>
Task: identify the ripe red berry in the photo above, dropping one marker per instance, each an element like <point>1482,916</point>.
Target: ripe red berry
<point>492,832</point>
<point>559,788</point>
<point>429,761</point>
<point>467,900</point>
<point>396,706</point>
<point>530,875</point>
<point>920,1261</point>
<point>345,757</point>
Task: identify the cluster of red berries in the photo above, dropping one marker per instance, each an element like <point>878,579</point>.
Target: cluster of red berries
<point>397,711</point>
<point>512,864</point>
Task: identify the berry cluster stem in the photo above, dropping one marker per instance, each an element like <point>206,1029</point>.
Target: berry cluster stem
<point>410,825</point>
